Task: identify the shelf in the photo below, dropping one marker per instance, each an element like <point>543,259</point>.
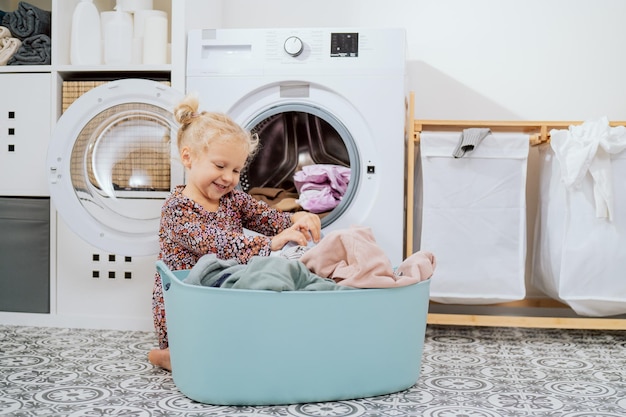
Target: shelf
<point>14,69</point>
<point>62,13</point>
<point>105,73</point>
<point>530,312</point>
<point>113,68</point>
<point>526,321</point>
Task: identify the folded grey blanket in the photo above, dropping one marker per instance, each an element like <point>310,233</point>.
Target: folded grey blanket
<point>27,21</point>
<point>33,51</point>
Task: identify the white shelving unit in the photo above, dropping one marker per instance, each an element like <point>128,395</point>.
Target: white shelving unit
<point>182,15</point>
<point>61,70</point>
<point>37,91</point>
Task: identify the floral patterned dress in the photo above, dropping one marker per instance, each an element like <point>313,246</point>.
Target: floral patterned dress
<point>188,231</point>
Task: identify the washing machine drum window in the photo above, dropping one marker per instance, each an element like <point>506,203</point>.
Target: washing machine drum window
<point>293,136</point>
<point>290,141</point>
<point>119,158</point>
<point>110,164</point>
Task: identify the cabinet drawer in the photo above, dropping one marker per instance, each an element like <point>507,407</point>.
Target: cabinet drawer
<point>24,133</point>
<point>25,254</point>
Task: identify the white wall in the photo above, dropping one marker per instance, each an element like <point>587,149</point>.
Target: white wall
<point>485,59</point>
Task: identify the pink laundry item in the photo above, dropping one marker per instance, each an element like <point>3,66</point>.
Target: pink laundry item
<point>317,200</point>
<point>420,264</point>
<point>321,186</point>
<point>352,258</point>
<point>337,176</point>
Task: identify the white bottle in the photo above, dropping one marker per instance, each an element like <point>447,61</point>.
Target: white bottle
<point>85,41</point>
<point>155,40</point>
<point>118,38</point>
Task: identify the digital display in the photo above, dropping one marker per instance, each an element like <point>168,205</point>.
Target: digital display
<point>344,44</point>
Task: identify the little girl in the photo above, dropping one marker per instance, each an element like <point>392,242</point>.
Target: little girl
<point>208,215</point>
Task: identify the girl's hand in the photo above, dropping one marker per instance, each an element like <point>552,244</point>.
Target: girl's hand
<point>288,235</point>
<point>308,224</point>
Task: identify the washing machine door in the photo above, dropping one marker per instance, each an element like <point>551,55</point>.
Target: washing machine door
<point>110,164</point>
<point>300,124</point>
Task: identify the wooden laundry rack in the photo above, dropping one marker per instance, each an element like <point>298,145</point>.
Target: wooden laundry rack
<point>539,132</point>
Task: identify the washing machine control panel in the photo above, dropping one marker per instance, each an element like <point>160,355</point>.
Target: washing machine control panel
<point>341,45</point>
<point>344,44</point>
<point>294,46</point>
<point>295,52</point>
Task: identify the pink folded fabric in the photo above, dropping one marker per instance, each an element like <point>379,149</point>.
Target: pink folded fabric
<point>337,176</point>
<point>321,186</point>
<point>352,258</point>
<point>420,264</point>
<point>317,200</point>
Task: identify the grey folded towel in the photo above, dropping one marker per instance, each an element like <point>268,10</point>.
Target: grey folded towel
<point>27,21</point>
<point>33,51</point>
<point>469,140</point>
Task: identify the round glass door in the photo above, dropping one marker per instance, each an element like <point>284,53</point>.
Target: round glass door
<point>110,163</point>
<point>120,165</point>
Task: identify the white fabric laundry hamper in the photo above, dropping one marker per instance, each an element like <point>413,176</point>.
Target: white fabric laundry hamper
<point>580,258</point>
<point>473,211</point>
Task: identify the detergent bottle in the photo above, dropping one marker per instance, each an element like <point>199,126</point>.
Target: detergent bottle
<point>85,39</point>
<point>118,38</point>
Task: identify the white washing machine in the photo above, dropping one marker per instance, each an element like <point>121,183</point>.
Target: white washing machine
<point>110,168</point>
<point>316,96</point>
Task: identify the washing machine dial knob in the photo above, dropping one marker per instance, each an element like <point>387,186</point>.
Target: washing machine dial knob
<point>294,46</point>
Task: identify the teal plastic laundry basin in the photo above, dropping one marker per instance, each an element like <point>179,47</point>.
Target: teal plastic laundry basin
<point>250,347</point>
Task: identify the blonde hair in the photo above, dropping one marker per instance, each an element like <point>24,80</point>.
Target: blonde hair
<point>198,130</point>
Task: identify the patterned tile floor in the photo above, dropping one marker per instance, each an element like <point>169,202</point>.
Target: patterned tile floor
<point>466,371</point>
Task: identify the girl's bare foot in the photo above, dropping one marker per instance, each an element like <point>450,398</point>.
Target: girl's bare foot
<point>160,358</point>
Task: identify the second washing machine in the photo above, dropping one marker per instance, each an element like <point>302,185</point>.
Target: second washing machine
<point>322,100</point>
